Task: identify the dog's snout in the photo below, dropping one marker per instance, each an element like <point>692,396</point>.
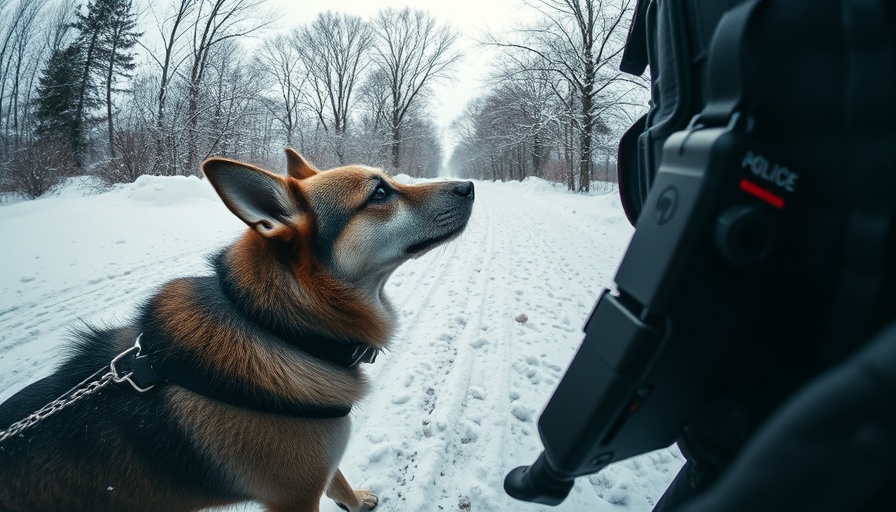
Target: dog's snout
<point>464,189</point>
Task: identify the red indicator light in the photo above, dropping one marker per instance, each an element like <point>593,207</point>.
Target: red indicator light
<point>754,189</point>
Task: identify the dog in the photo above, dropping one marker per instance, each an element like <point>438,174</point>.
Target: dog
<point>235,386</point>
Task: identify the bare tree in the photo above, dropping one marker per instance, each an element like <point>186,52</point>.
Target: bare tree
<point>334,49</point>
<point>373,137</point>
<point>412,51</point>
<point>120,36</point>
<point>58,25</point>
<point>232,95</point>
<point>579,40</point>
<point>218,21</point>
<point>19,61</point>
<point>421,153</point>
<point>172,27</point>
<point>511,132</point>
<point>279,60</point>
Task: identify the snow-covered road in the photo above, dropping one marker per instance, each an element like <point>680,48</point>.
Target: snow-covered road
<point>488,324</point>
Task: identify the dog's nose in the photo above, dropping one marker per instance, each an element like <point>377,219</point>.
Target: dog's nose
<point>464,189</point>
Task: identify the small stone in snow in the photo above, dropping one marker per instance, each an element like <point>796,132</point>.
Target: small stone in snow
<point>522,318</point>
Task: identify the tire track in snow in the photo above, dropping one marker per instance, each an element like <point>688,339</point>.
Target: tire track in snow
<point>518,364</point>
<point>449,422</point>
<point>424,358</point>
<point>465,401</point>
<point>474,448</point>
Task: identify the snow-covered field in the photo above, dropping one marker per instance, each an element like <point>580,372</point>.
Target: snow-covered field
<point>455,401</point>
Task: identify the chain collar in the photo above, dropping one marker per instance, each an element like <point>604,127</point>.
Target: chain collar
<point>88,386</point>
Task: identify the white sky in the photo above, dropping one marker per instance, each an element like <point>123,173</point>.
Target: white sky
<point>471,17</point>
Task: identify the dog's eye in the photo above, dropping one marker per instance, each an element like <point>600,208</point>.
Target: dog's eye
<point>379,194</point>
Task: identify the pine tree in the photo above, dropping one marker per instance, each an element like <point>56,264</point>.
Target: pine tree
<point>117,41</point>
<point>57,97</point>
<point>91,27</point>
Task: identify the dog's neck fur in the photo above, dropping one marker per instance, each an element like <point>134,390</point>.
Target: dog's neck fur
<point>281,300</point>
<point>306,296</point>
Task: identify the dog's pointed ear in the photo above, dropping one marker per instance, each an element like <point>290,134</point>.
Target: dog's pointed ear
<point>297,167</point>
<point>259,198</point>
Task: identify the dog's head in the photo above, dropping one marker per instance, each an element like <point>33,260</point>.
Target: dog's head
<point>355,220</point>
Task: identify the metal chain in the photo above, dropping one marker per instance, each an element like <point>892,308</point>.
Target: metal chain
<point>88,386</point>
<point>83,389</point>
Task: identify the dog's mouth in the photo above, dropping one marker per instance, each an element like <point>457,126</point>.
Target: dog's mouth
<point>424,246</point>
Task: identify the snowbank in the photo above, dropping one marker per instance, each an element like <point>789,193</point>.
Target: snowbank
<point>164,190</point>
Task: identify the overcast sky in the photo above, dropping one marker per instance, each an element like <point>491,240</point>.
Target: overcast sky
<point>471,17</point>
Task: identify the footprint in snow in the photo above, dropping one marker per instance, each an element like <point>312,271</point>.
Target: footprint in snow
<point>477,393</point>
<point>376,436</point>
<point>479,343</point>
<point>401,399</point>
<point>378,454</point>
<point>522,413</point>
<point>470,435</point>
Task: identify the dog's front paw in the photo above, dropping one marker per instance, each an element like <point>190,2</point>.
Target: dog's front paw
<point>366,501</point>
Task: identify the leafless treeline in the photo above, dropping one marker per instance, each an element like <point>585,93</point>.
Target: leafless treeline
<point>215,79</point>
<point>558,103</point>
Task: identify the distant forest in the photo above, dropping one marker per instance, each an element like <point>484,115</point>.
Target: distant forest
<point>122,88</point>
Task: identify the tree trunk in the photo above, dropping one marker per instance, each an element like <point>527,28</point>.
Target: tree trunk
<point>567,157</point>
<point>163,163</point>
<point>536,155</point>
<point>396,147</point>
<point>78,136</point>
<point>110,72</point>
<point>585,154</point>
<point>15,101</point>
<point>587,92</point>
<point>193,128</point>
<point>339,143</point>
<point>162,166</point>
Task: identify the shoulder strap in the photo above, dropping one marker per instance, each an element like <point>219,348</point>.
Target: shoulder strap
<point>634,54</point>
<point>725,92</point>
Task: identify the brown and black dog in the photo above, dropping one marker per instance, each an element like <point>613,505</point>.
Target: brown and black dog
<point>253,370</point>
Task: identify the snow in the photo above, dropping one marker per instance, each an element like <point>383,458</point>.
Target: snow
<point>488,324</point>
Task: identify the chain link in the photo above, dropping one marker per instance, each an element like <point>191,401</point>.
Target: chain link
<point>71,396</point>
<point>88,386</point>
